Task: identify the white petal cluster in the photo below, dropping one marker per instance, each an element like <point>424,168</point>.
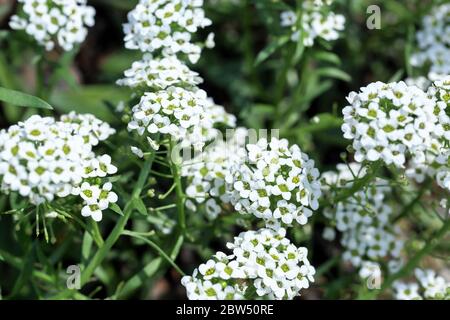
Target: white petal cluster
<point>53,23</point>
<point>185,115</point>
<point>429,286</point>
<point>389,121</point>
<point>43,159</point>
<point>278,183</point>
<point>166,26</point>
<point>210,175</point>
<point>159,73</point>
<point>317,21</point>
<point>433,42</point>
<point>262,260</point>
<point>364,219</point>
<point>433,160</point>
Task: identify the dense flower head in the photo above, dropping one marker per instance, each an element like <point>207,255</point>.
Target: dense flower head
<point>278,183</point>
<point>159,73</point>
<point>317,21</point>
<point>210,174</point>
<point>264,260</point>
<point>429,285</point>
<point>53,23</point>
<point>364,219</point>
<point>166,26</point>
<point>388,121</point>
<point>187,115</point>
<point>433,42</point>
<point>43,159</point>
<point>433,160</point>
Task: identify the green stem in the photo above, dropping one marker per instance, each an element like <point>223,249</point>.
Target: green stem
<point>17,263</point>
<point>156,247</point>
<point>414,201</point>
<point>180,202</point>
<point>100,255</point>
<point>358,184</point>
<point>150,270</point>
<point>120,226</point>
<point>155,265</point>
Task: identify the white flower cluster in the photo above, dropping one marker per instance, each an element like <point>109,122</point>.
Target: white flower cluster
<point>210,175</point>
<point>166,26</point>
<point>57,22</point>
<point>278,183</point>
<point>263,261</point>
<point>42,159</point>
<point>429,286</point>
<point>159,73</point>
<point>183,114</point>
<point>434,43</point>
<point>363,219</point>
<point>389,121</point>
<point>433,160</point>
<point>317,21</point>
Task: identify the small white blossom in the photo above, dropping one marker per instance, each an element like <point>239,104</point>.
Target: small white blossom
<point>60,23</point>
<point>317,21</point>
<point>277,183</point>
<point>262,259</point>
<point>363,219</point>
<point>159,73</point>
<point>166,27</point>
<point>43,159</point>
<point>389,121</point>
<point>428,286</point>
<point>185,115</point>
<point>433,42</point>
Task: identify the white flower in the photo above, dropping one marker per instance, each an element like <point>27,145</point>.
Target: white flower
<point>185,115</point>
<point>387,121</point>
<point>317,21</point>
<point>264,258</point>
<point>363,219</point>
<point>405,291</point>
<point>211,172</point>
<point>159,73</point>
<point>60,23</point>
<point>42,159</point>
<point>277,182</point>
<point>106,196</point>
<point>166,27</point>
<point>138,152</point>
<point>433,42</point>
<point>428,286</point>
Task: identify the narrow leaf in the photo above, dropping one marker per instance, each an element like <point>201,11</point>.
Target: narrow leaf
<point>21,99</point>
<point>270,49</point>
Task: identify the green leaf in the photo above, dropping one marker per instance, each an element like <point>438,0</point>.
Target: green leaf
<point>323,121</point>
<point>140,206</point>
<point>327,57</point>
<point>21,99</point>
<point>86,247</point>
<point>88,99</point>
<point>334,73</point>
<point>114,207</point>
<point>270,49</point>
<point>256,114</point>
